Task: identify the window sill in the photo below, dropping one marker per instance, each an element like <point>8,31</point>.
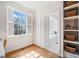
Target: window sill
<point>19,35</point>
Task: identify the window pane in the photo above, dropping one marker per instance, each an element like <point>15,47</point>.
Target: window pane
<point>16,26</point>
<point>15,32</point>
<point>19,23</point>
<point>24,31</point>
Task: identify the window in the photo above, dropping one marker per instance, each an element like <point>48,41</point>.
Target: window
<point>19,23</point>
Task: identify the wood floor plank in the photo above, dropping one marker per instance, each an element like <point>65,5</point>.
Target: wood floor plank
<point>20,52</point>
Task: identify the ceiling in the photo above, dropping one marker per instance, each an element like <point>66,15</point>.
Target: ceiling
<point>41,6</point>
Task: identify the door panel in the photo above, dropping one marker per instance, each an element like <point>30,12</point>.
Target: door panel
<point>53,39</point>
<point>52,43</point>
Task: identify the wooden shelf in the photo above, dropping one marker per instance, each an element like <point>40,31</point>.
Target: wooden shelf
<point>70,55</point>
<point>74,42</point>
<point>71,30</point>
<point>71,6</point>
<point>72,17</point>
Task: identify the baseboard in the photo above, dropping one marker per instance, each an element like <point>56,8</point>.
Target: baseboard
<point>39,45</point>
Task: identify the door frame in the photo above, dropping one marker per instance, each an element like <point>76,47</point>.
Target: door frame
<point>60,53</point>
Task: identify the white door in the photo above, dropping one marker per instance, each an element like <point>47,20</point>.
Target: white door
<point>53,35</point>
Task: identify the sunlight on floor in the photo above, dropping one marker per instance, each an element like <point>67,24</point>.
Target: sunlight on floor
<point>32,54</point>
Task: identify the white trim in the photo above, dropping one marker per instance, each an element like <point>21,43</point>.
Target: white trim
<point>19,35</point>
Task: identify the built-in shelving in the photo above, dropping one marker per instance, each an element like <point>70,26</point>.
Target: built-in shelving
<point>71,32</point>
<point>75,42</point>
<point>71,6</point>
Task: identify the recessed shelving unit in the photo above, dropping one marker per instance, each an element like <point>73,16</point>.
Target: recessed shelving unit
<point>71,29</point>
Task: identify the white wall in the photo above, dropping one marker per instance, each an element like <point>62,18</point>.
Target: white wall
<point>18,42</point>
<point>39,31</point>
<point>3,21</point>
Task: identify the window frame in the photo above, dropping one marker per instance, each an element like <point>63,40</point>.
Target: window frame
<point>14,9</point>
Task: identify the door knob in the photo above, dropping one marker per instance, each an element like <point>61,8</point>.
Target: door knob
<point>55,32</point>
<point>56,42</point>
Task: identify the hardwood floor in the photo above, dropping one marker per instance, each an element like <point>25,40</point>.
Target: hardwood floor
<point>32,51</point>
